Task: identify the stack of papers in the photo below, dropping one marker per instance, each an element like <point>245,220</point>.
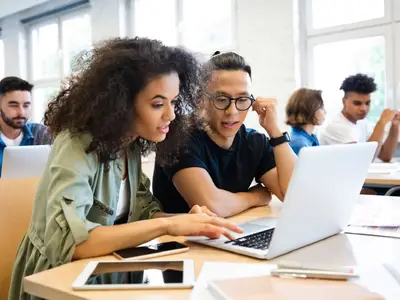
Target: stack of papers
<point>392,232</point>
<point>383,168</point>
<point>381,218</point>
<point>382,212</point>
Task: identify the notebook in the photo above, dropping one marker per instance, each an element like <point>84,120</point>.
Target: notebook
<point>267,287</point>
<point>394,270</point>
<point>374,278</point>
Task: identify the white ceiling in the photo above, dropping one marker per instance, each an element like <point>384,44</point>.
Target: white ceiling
<point>8,7</point>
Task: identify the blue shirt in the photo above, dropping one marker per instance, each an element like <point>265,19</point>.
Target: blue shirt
<point>34,134</point>
<point>300,138</point>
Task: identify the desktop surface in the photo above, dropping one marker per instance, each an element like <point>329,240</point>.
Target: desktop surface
<point>339,250</point>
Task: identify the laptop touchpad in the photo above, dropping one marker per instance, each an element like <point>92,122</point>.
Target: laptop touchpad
<point>250,228</point>
<point>264,222</point>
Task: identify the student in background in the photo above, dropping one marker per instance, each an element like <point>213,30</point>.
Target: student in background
<point>93,198</point>
<point>15,110</point>
<point>220,162</point>
<point>349,126</point>
<point>304,111</point>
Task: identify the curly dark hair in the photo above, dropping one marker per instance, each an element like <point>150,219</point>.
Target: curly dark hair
<point>99,97</point>
<point>359,83</point>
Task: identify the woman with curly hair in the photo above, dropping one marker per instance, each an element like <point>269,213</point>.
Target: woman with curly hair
<point>93,198</point>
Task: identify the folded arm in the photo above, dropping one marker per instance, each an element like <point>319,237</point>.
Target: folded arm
<point>197,187</point>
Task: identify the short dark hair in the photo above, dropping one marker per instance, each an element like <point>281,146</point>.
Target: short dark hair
<point>302,106</point>
<point>359,83</point>
<point>100,96</point>
<point>12,83</point>
<point>229,61</point>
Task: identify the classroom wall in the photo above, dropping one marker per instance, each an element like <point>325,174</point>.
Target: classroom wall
<point>265,35</point>
<point>264,32</point>
<point>8,7</point>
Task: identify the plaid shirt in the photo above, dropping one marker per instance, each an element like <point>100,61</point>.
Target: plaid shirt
<point>39,133</point>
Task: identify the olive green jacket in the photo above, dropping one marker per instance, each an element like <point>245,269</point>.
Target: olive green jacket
<point>76,194</point>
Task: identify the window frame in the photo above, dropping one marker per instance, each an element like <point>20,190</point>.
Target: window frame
<point>311,31</point>
<point>396,10</point>
<point>53,82</point>
<point>357,34</point>
<point>396,71</point>
<point>387,26</point>
<point>180,27</point>
<point>2,60</point>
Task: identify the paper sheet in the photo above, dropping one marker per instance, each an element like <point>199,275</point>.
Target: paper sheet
<point>393,232</point>
<point>383,168</point>
<point>382,212</point>
<point>225,270</point>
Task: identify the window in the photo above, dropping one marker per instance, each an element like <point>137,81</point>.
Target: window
<point>211,32</point>
<point>345,37</point>
<point>335,61</point>
<point>183,26</point>
<point>72,43</point>
<point>54,46</point>
<point>328,13</point>
<point>158,26</point>
<point>45,52</point>
<point>41,96</point>
<point>2,69</point>
<point>397,67</point>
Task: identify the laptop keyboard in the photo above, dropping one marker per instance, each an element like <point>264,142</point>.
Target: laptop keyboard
<point>259,240</point>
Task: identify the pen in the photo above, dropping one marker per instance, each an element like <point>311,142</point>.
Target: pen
<point>311,274</point>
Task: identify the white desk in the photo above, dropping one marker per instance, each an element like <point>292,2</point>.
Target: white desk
<point>338,250</point>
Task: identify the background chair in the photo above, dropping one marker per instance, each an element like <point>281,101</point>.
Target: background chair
<point>394,191</point>
<point>16,200</point>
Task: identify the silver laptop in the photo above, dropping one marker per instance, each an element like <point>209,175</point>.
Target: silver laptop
<point>322,193</point>
<point>24,161</point>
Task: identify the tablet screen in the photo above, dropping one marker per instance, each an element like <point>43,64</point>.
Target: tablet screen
<point>146,272</point>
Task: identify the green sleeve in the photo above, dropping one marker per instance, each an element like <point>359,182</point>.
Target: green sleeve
<point>69,197</point>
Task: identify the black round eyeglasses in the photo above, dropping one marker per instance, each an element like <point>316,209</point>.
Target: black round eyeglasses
<point>242,103</point>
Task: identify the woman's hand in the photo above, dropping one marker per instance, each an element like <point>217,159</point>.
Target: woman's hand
<point>200,224</point>
<point>197,209</point>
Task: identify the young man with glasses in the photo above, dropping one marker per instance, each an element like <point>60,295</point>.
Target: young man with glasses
<point>220,162</point>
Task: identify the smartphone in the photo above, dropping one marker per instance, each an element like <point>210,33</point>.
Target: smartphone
<point>151,251</point>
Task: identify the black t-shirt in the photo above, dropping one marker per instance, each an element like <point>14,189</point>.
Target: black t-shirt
<point>233,170</point>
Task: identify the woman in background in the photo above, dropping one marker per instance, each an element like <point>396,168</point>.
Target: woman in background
<point>93,198</point>
<point>304,111</point>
